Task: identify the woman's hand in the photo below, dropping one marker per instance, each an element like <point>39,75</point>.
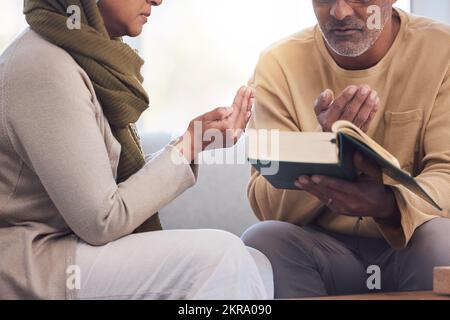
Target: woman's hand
<point>220,128</point>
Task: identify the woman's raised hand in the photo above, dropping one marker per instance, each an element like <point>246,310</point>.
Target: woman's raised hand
<point>220,128</point>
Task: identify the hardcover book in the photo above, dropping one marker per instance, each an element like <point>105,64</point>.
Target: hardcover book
<point>285,156</point>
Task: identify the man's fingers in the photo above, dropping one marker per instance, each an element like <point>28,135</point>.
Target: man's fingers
<point>370,105</point>
<point>341,102</point>
<point>365,127</point>
<point>354,107</point>
<point>305,184</point>
<point>367,167</point>
<point>333,199</point>
<point>323,101</point>
<point>335,184</point>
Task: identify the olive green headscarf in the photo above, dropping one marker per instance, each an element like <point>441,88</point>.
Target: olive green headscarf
<point>113,67</point>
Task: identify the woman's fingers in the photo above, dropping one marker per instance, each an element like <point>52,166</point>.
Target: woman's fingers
<point>246,105</point>
<point>232,121</point>
<point>252,100</point>
<point>239,98</point>
<point>223,113</point>
<point>249,115</point>
<point>218,114</point>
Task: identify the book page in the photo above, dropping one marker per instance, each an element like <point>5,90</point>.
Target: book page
<point>353,131</point>
<point>308,147</point>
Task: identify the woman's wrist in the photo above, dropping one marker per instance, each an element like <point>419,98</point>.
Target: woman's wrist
<point>186,146</point>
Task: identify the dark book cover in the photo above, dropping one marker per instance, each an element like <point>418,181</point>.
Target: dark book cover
<point>289,172</point>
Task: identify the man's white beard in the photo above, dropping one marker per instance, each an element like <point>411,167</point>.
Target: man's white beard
<point>354,53</point>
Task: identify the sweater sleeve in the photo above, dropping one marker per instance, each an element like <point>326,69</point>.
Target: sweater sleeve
<point>53,126</point>
<point>434,177</point>
<point>274,110</point>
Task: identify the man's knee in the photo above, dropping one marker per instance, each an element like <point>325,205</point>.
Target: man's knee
<point>274,237</point>
<point>432,236</point>
<point>262,233</point>
<point>428,248</point>
<point>431,242</point>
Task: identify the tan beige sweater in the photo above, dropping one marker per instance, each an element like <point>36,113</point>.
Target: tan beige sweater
<point>413,81</point>
<point>58,165</point>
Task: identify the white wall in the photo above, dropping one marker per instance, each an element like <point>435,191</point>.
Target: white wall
<point>435,9</point>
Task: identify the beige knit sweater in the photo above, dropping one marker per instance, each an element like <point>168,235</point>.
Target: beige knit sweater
<point>58,165</point>
<point>413,123</point>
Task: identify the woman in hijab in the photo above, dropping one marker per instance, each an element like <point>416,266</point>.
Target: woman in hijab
<point>78,197</point>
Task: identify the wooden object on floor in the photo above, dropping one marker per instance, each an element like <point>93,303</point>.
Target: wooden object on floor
<point>413,296</point>
<point>442,280</point>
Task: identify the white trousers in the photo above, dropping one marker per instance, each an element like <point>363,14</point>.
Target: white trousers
<point>174,264</point>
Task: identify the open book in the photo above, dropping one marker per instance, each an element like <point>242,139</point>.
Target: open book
<point>282,157</point>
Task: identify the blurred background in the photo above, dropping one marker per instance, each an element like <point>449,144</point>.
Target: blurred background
<point>199,52</point>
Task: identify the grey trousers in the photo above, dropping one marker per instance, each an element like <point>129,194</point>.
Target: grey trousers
<point>311,262</point>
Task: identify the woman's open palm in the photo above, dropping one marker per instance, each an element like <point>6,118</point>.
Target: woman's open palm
<point>221,127</point>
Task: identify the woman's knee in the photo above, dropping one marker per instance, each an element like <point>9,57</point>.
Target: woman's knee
<point>214,245</point>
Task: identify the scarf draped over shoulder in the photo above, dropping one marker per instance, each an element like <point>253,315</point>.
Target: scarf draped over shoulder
<point>113,67</point>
